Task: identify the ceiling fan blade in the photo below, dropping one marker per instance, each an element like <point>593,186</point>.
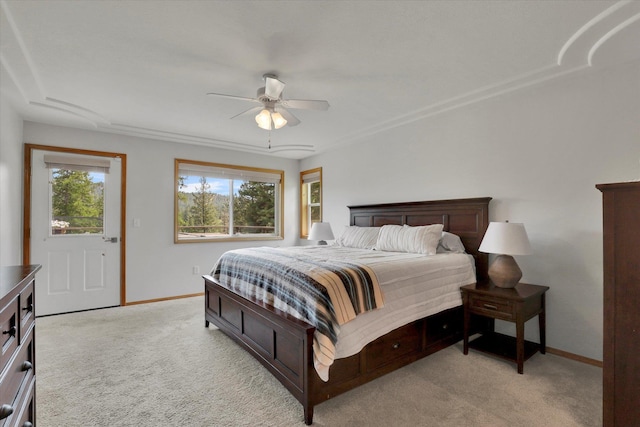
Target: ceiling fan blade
<point>239,98</point>
<point>248,112</point>
<point>306,104</point>
<point>290,118</point>
<point>273,87</point>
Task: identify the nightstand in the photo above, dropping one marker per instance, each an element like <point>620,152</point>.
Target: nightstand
<point>516,305</point>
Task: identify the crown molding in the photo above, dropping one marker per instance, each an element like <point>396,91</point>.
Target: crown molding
<point>575,55</point>
<point>185,138</point>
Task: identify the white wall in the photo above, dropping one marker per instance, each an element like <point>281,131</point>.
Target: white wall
<point>156,267</point>
<point>539,153</point>
<point>11,163</point>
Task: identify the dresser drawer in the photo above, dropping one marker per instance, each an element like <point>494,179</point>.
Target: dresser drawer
<point>395,344</point>
<point>9,316</point>
<point>25,414</point>
<point>27,315</point>
<point>18,373</point>
<point>494,307</point>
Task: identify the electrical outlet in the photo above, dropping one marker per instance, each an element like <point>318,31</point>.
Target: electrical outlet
<point>196,269</point>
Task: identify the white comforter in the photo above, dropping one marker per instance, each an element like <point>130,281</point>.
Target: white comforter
<point>414,286</point>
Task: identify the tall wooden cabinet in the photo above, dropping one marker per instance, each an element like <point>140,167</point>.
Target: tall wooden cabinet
<point>621,347</point>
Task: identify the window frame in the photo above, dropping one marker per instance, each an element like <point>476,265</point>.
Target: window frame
<point>234,170</point>
<point>305,204</point>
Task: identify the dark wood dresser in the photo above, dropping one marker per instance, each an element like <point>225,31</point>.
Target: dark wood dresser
<point>18,352</point>
<point>621,347</point>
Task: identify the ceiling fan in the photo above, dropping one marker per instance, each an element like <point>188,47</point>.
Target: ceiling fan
<point>274,113</point>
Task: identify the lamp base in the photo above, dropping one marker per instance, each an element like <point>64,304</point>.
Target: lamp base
<point>322,243</point>
<point>504,272</point>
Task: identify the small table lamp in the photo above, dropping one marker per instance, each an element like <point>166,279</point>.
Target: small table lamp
<point>321,231</point>
<point>505,239</point>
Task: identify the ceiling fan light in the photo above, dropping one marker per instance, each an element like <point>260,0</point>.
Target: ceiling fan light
<point>278,120</point>
<point>263,119</point>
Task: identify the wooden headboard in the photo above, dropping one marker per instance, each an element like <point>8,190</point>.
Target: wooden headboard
<point>468,218</point>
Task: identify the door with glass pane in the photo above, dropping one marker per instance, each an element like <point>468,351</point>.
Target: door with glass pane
<point>75,230</point>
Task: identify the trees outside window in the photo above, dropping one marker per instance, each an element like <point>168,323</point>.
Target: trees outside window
<point>227,202</point>
<point>77,202</point>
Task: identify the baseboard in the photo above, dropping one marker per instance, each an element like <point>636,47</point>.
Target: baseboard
<point>165,299</point>
<point>575,357</point>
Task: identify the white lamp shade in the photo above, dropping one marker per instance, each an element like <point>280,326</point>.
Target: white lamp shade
<point>507,238</point>
<point>321,231</point>
<point>264,119</point>
<point>278,120</point>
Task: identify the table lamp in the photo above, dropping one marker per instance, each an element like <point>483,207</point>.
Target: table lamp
<point>505,239</point>
<point>321,231</point>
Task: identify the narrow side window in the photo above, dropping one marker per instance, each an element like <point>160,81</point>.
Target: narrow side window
<point>310,199</point>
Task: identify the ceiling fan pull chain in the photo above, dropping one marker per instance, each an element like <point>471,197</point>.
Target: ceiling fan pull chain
<point>269,139</point>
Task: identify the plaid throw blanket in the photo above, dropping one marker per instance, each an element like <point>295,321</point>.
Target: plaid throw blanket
<point>307,284</point>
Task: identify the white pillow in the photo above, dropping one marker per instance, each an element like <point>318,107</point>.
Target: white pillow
<point>450,242</point>
<point>358,237</point>
<point>419,240</point>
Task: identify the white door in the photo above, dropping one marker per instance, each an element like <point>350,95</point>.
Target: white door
<point>75,241</point>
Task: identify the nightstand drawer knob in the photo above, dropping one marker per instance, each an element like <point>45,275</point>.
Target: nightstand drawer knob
<point>396,346</point>
<point>490,306</point>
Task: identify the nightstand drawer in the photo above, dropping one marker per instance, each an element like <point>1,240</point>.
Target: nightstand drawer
<point>493,307</point>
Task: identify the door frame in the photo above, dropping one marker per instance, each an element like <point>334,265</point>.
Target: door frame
<point>26,221</point>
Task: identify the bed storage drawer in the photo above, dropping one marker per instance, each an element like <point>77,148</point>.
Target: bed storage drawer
<point>444,325</point>
<point>404,340</point>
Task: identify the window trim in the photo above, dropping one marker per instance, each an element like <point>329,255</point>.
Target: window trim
<point>305,227</point>
<point>234,169</point>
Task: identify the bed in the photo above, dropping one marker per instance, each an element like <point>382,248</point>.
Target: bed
<point>284,344</point>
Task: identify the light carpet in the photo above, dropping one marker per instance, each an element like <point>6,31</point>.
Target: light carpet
<point>157,365</point>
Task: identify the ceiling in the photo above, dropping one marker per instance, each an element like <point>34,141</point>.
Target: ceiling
<point>144,67</point>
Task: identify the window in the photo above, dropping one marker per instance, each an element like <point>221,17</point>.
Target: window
<point>76,189</point>
<point>310,199</point>
<point>215,202</point>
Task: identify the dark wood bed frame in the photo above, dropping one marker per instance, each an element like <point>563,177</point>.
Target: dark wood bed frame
<point>283,344</point>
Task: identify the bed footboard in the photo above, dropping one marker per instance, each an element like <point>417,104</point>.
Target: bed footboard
<point>282,343</point>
